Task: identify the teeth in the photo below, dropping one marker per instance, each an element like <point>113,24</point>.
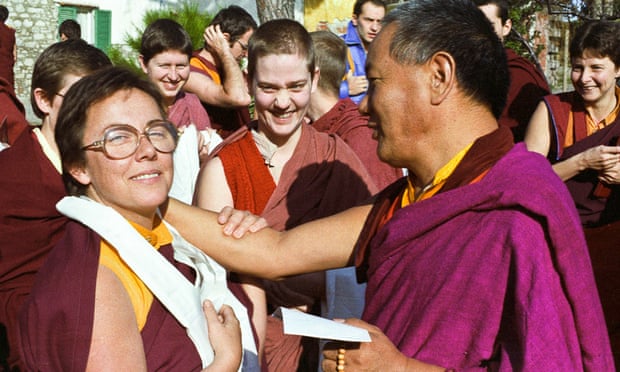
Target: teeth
<point>145,176</point>
<point>284,116</point>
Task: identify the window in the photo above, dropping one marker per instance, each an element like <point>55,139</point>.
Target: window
<point>96,24</point>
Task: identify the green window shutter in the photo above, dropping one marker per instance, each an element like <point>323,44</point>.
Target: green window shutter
<point>66,12</point>
<point>103,29</point>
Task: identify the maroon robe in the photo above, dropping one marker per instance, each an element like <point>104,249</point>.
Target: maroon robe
<point>599,212</point>
<point>12,114</point>
<point>527,87</point>
<point>56,322</point>
<point>345,121</point>
<point>323,177</point>
<point>488,275</point>
<point>224,120</point>
<point>7,59</point>
<point>188,109</point>
<point>30,225</point>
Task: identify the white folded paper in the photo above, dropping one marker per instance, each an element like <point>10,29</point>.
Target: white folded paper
<point>302,324</point>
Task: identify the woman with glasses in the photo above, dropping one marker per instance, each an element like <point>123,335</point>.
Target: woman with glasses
<point>123,290</point>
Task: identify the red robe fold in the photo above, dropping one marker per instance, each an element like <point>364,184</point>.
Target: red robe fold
<point>7,59</point>
<point>30,225</point>
<point>12,114</point>
<point>57,321</point>
<point>345,121</point>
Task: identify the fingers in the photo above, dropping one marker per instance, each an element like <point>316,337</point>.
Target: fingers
<point>237,223</point>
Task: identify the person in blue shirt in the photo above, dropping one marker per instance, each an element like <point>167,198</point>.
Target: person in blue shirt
<point>365,24</point>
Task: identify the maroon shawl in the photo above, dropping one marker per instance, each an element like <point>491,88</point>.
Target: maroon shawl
<point>56,322</point>
<point>188,109</point>
<point>346,121</point>
<point>490,275</point>
<point>527,87</point>
<point>30,225</point>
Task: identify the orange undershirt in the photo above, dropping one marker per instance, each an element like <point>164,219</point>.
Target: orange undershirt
<point>140,296</point>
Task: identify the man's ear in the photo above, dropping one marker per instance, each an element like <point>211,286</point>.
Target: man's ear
<point>354,20</point>
<point>506,27</point>
<point>80,174</point>
<point>443,76</point>
<point>142,64</point>
<point>315,79</point>
<point>226,36</point>
<point>42,101</point>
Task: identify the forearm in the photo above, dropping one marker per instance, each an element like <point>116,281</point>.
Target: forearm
<point>318,245</point>
<point>234,83</point>
<point>569,168</point>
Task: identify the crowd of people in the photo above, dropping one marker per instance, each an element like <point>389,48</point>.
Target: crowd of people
<point>412,177</point>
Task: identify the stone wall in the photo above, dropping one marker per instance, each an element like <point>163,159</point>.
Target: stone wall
<point>35,22</point>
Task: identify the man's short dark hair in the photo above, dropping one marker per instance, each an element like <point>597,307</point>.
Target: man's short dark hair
<point>357,7</point>
<point>4,13</point>
<point>330,56</point>
<point>457,27</point>
<point>70,28</point>
<point>235,21</point>
<point>602,38</point>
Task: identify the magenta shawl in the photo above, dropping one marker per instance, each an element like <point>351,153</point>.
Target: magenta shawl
<point>490,275</point>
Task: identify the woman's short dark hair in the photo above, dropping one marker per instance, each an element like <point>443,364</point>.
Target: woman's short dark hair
<point>74,56</point>
<point>601,38</point>
<point>73,115</point>
<point>162,35</point>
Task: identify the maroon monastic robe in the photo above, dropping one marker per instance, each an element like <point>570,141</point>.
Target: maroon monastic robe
<point>345,121</point>
<point>57,321</point>
<point>599,211</point>
<point>30,225</point>
<point>188,109</point>
<point>7,59</point>
<point>323,177</point>
<point>527,87</point>
<point>12,114</point>
<point>488,275</point>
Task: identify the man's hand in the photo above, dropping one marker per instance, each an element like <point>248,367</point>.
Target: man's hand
<point>216,41</point>
<point>378,355</point>
<point>237,223</point>
<point>357,84</point>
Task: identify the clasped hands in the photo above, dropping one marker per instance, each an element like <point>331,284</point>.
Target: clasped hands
<point>605,160</point>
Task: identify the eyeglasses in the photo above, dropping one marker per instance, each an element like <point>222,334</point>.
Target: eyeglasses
<point>244,47</point>
<point>120,141</point>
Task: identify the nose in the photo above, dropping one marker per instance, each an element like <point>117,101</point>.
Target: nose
<point>282,99</point>
<point>145,149</point>
<point>172,73</point>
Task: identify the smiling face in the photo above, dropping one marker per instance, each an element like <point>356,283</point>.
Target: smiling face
<point>368,22</point>
<point>593,77</point>
<point>395,103</point>
<point>134,186</point>
<point>282,86</point>
<point>169,71</point>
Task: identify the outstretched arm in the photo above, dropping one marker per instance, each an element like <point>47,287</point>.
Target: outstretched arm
<point>323,244</point>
